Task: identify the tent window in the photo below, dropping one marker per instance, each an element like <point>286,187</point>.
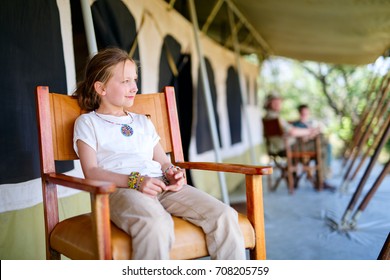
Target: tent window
<point>204,141</point>
<point>180,78</point>
<point>115,27</point>
<point>234,102</point>
<point>169,62</point>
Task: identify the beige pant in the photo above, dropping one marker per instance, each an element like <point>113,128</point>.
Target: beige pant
<point>149,222</point>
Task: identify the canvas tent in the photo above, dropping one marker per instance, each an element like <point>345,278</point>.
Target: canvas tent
<point>48,45</point>
<point>334,31</point>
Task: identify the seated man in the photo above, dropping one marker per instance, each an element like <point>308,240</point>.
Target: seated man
<point>305,121</point>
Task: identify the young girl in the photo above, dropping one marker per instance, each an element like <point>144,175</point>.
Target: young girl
<point>123,147</point>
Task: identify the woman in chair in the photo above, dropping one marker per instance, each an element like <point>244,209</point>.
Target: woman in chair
<point>123,147</point>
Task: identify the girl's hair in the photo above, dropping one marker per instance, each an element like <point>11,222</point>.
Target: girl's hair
<point>99,68</point>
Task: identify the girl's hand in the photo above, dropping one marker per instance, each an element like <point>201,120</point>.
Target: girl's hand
<point>176,178</point>
<point>152,186</point>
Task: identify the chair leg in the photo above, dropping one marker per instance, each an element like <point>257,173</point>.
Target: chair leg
<point>290,180</point>
<point>277,182</point>
<point>53,255</point>
<point>255,213</point>
<point>283,175</point>
<point>319,163</point>
<point>319,179</point>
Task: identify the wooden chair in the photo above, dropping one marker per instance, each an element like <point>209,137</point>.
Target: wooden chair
<point>295,160</point>
<point>92,235</point>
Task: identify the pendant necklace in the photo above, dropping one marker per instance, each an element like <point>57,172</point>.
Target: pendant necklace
<point>126,129</point>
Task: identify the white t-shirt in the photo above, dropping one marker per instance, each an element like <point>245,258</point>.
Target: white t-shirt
<point>115,151</point>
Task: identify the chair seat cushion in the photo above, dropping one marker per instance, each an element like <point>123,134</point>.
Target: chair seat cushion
<point>73,238</point>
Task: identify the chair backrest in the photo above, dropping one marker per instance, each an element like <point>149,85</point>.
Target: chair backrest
<point>57,113</point>
<point>272,128</point>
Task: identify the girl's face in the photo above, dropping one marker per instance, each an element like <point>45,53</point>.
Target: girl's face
<point>119,91</point>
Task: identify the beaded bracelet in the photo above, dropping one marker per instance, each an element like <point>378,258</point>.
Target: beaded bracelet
<point>133,181</point>
<point>140,180</point>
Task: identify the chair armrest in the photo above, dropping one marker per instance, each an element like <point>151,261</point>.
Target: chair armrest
<point>227,167</point>
<point>99,191</point>
<point>254,195</point>
<point>88,185</point>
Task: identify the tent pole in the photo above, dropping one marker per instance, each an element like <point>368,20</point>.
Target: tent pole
<point>369,195</point>
<point>363,180</point>
<point>89,29</point>
<point>241,81</point>
<point>264,45</point>
<point>212,15</point>
<point>382,108</point>
<point>209,102</point>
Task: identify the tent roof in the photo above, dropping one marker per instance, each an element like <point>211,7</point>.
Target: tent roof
<point>333,31</point>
